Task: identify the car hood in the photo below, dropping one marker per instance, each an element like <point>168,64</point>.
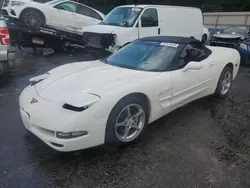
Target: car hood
<point>101,29</point>
<point>228,36</point>
<point>78,83</point>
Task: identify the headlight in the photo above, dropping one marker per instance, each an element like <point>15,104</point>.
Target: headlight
<point>39,78</point>
<point>70,135</point>
<point>17,3</point>
<point>243,46</point>
<point>74,108</point>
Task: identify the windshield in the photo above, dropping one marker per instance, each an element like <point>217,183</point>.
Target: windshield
<point>239,30</point>
<point>144,55</point>
<point>122,16</point>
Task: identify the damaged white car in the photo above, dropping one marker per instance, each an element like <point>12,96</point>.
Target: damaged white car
<point>60,14</point>
<point>111,101</point>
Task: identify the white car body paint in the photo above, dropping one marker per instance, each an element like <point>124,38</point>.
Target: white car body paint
<point>103,85</point>
<point>59,19</point>
<point>172,21</point>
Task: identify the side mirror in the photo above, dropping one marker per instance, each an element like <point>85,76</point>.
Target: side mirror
<point>194,65</point>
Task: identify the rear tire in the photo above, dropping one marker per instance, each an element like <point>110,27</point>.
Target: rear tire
<point>225,82</point>
<point>120,121</point>
<point>33,19</point>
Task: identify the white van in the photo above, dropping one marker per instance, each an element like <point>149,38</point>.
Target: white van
<point>127,23</point>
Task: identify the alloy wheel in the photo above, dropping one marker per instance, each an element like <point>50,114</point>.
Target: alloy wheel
<point>130,122</point>
<point>226,83</point>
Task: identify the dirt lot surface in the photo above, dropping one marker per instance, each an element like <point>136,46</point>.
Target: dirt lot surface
<point>201,145</point>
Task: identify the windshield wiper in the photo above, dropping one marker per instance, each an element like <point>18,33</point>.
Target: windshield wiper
<point>114,24</point>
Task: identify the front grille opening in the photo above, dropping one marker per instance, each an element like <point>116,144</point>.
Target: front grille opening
<point>13,12</point>
<point>97,40</point>
<point>5,13</point>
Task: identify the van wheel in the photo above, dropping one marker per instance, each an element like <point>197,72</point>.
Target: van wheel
<point>32,18</point>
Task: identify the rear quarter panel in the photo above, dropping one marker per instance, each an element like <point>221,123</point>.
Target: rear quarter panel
<point>222,56</point>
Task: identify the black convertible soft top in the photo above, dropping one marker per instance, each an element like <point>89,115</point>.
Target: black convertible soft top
<point>177,40</point>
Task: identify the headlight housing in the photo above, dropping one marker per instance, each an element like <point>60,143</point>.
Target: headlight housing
<point>243,46</point>
<point>39,78</point>
<point>70,135</point>
<point>17,3</point>
<point>74,108</point>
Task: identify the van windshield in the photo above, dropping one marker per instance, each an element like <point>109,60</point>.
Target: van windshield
<point>122,16</point>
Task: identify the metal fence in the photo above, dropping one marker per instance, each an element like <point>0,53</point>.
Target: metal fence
<point>225,19</point>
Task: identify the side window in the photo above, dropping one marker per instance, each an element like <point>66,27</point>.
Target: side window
<point>95,15</point>
<point>193,52</point>
<point>67,6</point>
<point>149,18</point>
<point>83,10</point>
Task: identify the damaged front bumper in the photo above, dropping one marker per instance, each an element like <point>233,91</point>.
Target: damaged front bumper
<point>100,41</point>
<point>231,43</point>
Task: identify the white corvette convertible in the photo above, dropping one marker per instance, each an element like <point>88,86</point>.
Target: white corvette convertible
<point>61,14</point>
<point>85,104</point>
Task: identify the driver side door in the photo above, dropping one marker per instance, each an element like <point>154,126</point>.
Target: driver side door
<point>149,23</point>
<point>65,17</point>
<point>190,79</point>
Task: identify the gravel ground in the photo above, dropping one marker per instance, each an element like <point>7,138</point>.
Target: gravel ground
<point>203,144</point>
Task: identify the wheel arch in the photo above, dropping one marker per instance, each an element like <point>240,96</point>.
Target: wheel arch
<point>230,65</point>
<point>31,8</point>
<point>145,98</point>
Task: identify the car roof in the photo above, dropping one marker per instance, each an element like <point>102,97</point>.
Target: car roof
<point>156,6</point>
<point>177,40</point>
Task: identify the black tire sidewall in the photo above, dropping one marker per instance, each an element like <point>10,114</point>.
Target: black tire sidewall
<point>218,89</point>
<point>110,135</point>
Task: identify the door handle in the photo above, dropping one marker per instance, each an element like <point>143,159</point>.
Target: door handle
<point>159,31</point>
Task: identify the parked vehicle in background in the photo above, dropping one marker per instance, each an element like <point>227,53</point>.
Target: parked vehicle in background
<point>120,95</point>
<point>237,37</point>
<point>7,52</point>
<point>205,36</point>
<point>124,24</point>
<point>230,36</point>
<point>60,14</point>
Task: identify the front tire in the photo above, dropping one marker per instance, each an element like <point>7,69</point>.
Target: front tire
<point>33,19</point>
<point>127,121</point>
<point>225,82</point>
